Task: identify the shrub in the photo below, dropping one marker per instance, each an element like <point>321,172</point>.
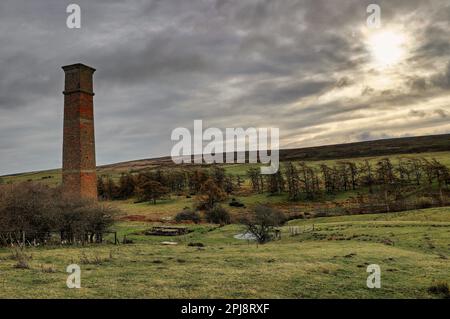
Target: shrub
<point>300,215</point>
<point>96,260</point>
<point>218,215</point>
<point>18,253</point>
<point>22,264</point>
<point>22,258</point>
<point>38,210</point>
<point>48,269</point>
<point>424,202</point>
<point>188,215</point>
<point>196,245</point>
<point>127,241</point>
<point>440,288</point>
<point>235,203</point>
<point>322,213</point>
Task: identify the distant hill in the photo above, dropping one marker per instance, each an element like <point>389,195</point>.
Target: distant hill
<point>404,145</point>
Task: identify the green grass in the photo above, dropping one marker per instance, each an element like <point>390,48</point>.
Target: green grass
<point>418,230</point>
<point>54,180</point>
<point>424,215</point>
<point>168,208</point>
<point>163,209</point>
<point>412,249</point>
<point>330,261</point>
<point>442,157</point>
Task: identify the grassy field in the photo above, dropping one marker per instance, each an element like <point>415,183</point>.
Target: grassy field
<point>166,210</point>
<point>328,259</point>
<point>412,249</point>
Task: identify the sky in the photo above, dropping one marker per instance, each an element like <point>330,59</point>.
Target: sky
<point>312,68</point>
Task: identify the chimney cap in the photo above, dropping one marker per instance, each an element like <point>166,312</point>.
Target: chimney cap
<point>78,66</point>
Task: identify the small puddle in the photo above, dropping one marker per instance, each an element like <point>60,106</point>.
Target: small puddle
<point>245,236</point>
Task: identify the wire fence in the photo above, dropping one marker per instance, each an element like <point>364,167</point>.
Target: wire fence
<point>24,238</point>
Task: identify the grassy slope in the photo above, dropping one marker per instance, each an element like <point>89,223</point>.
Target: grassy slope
<point>429,146</point>
<point>167,209</point>
<point>234,169</point>
<point>411,247</point>
<point>443,157</point>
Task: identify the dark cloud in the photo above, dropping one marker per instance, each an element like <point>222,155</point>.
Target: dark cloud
<point>439,80</point>
<point>442,80</point>
<point>416,113</point>
<point>442,113</point>
<point>344,81</point>
<point>273,93</point>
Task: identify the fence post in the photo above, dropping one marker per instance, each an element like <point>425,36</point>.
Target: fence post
<point>23,238</point>
<point>115,238</point>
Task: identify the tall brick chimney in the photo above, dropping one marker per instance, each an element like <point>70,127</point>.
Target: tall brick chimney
<point>79,175</point>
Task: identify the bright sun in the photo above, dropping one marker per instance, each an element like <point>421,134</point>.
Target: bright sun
<point>387,47</point>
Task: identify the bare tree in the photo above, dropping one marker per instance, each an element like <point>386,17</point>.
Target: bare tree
<point>293,182</point>
<point>254,175</point>
<point>261,223</point>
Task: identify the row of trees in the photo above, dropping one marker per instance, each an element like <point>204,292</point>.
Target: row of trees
<point>212,185</point>
<point>384,181</point>
<point>303,180</point>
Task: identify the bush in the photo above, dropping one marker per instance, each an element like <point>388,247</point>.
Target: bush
<point>48,269</point>
<point>127,241</point>
<point>188,215</point>
<point>196,245</point>
<point>80,220</point>
<point>235,203</point>
<point>96,260</point>
<point>218,215</point>
<point>424,202</point>
<point>22,258</point>
<point>38,210</point>
<point>440,288</point>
